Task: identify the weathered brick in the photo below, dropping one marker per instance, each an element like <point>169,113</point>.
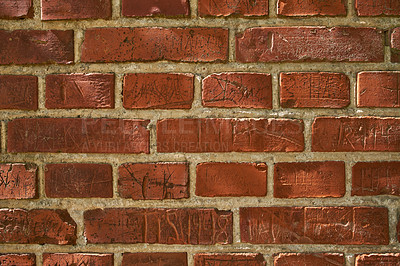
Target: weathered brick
<point>155,44</point>
<point>71,9</point>
<point>36,47</point>
<point>231,179</point>
<point>156,258</point>
<point>395,45</point>
<point>76,180</point>
<point>18,92</point>
<point>168,8</point>
<point>315,225</point>
<point>18,181</point>
<point>388,259</point>
<point>228,135</point>
<point>348,134</point>
<point>78,135</point>
<point>68,91</point>
<point>39,226</point>
<point>233,259</point>
<point>326,259</point>
<point>161,226</point>
<point>18,259</point>
<point>244,90</point>
<point>377,7</point>
<point>158,91</point>
<point>278,44</point>
<point>11,9</point>
<point>154,181</point>
<point>61,259</point>
<point>312,8</point>
<point>242,8</point>
<point>314,90</point>
<point>309,180</point>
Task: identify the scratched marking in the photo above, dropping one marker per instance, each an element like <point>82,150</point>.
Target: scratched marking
<point>17,182</point>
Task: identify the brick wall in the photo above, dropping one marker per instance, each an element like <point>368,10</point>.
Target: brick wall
<point>201,132</point>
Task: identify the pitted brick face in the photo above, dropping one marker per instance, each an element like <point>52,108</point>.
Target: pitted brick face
<point>292,8</point>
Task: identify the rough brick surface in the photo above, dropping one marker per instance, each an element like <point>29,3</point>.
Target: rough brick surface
<point>68,91</point>
<point>377,7</point>
<point>395,45</point>
<point>242,8</point>
<point>326,259</point>
<point>78,135</point>
<point>312,8</point>
<point>227,135</point>
<point>18,181</point>
<point>348,134</point>
<point>244,90</point>
<point>338,44</point>
<point>158,91</point>
<point>389,259</point>
<point>315,225</point>
<point>18,92</point>
<point>148,259</point>
<point>18,259</point>
<point>314,90</point>
<point>236,259</point>
<point>50,259</point>
<point>155,44</point>
<point>161,226</point>
<point>70,9</point>
<point>11,9</point>
<point>168,8</point>
<point>309,179</point>
<point>231,179</point>
<point>154,181</point>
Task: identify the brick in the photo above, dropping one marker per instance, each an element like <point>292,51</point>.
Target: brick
<point>11,9</point>
<point>70,9</point>
<point>68,91</point>
<point>389,259</point>
<point>39,226</point>
<point>18,181</point>
<point>158,91</point>
<point>36,47</point>
<point>229,135</point>
<point>377,7</point>
<point>309,180</point>
<point>314,90</point>
<point>315,225</point>
<point>349,134</point>
<point>231,179</point>
<point>157,181</point>
<point>18,92</point>
<point>395,45</point>
<point>315,44</point>
<point>241,8</point>
<point>244,90</point>
<point>155,44</point>
<point>376,178</point>
<point>327,259</point>
<point>161,226</point>
<point>76,180</point>
<point>167,8</point>
<point>78,135</point>
<point>62,259</point>
<point>312,8</point>
<point>156,258</point>
<point>18,259</point>
<point>233,259</point>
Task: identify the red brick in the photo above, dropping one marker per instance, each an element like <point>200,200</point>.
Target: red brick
<point>314,90</point>
<point>338,44</point>
<point>61,259</point>
<point>40,226</point>
<point>242,8</point>
<point>315,225</point>
<point>378,89</point>
<point>18,259</point>
<point>155,44</point>
<point>312,8</point>
<point>78,135</point>
<point>233,259</point>
<point>229,135</point>
<point>11,9</point>
<point>18,92</point>
<point>395,45</point>
<point>377,7</point>
<point>68,91</point>
<point>376,178</point>
<point>231,179</point>
<point>348,134</point>
<point>388,259</point>
<point>150,259</point>
<point>158,91</point>
<point>168,8</point>
<point>161,226</point>
<point>154,181</point>
<point>71,9</point>
<point>75,180</point>
<point>18,181</point>
<point>36,47</point>
<point>309,259</point>
<point>244,90</point>
<point>309,180</point>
